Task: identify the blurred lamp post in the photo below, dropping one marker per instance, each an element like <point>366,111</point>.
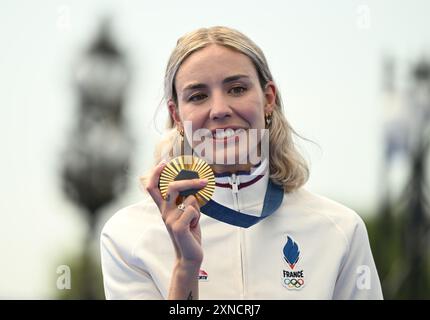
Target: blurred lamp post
<point>97,156</point>
<point>401,240</point>
<point>416,248</point>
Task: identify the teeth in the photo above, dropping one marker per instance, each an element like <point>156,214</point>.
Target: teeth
<point>222,134</point>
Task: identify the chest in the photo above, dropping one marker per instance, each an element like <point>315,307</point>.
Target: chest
<point>271,260</point>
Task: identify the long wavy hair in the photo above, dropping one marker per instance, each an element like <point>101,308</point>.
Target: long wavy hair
<point>287,167</point>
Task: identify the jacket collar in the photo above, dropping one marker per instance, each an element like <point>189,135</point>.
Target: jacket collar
<point>247,196</point>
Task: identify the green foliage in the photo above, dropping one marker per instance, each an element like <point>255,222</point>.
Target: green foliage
<point>86,278</point>
<point>402,277</point>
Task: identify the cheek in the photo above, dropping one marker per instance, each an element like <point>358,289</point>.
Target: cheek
<point>194,115</point>
<point>253,112</point>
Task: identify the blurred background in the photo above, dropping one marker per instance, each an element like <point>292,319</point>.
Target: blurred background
<point>81,83</point>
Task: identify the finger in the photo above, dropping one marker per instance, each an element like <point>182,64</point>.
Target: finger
<point>170,216</point>
<point>176,187</point>
<point>189,217</point>
<point>152,185</point>
<point>191,200</point>
<point>181,226</point>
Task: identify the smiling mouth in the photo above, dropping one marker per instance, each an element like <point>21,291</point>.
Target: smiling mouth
<point>223,135</point>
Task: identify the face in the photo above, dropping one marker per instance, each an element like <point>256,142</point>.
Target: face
<point>218,90</point>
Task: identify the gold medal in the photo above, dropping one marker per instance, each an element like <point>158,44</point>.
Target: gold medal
<point>184,168</point>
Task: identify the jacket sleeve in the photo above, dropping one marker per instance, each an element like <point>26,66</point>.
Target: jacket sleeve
<point>123,278</point>
<point>358,278</point>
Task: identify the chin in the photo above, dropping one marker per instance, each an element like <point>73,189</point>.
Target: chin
<point>231,156</point>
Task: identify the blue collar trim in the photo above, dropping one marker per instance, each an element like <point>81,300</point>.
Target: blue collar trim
<point>272,201</point>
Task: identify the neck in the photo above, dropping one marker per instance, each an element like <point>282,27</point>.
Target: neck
<point>261,167</point>
<point>231,168</point>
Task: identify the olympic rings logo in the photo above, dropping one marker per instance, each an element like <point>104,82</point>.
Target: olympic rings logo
<point>294,283</point>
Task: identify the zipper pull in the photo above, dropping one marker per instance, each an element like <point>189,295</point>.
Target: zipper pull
<point>234,184</point>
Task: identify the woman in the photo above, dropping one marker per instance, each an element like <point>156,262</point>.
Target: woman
<point>266,237</point>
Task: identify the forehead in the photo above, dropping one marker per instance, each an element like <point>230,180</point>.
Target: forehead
<point>212,64</point>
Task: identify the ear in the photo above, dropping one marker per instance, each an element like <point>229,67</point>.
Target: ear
<point>270,97</point>
<point>174,113</point>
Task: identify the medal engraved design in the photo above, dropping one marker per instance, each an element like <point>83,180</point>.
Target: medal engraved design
<point>184,168</point>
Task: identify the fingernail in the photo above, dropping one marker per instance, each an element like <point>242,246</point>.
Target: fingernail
<point>203,182</point>
<point>162,162</point>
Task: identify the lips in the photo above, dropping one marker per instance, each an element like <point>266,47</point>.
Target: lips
<point>226,133</point>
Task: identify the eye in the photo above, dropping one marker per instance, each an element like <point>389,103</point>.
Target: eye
<point>237,91</point>
<point>197,97</point>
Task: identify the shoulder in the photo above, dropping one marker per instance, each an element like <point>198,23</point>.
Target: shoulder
<point>326,212</point>
<point>127,226</point>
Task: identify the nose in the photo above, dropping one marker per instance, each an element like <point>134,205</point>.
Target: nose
<point>220,108</point>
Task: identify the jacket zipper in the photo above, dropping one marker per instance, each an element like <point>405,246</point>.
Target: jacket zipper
<point>234,182</point>
<point>242,261</point>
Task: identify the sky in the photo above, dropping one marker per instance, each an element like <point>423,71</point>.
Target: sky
<point>326,58</point>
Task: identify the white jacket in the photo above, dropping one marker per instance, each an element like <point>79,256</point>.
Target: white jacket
<point>327,241</point>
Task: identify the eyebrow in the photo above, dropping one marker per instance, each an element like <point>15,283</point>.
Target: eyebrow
<point>194,86</point>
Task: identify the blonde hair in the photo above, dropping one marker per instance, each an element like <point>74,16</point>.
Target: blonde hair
<point>287,166</point>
